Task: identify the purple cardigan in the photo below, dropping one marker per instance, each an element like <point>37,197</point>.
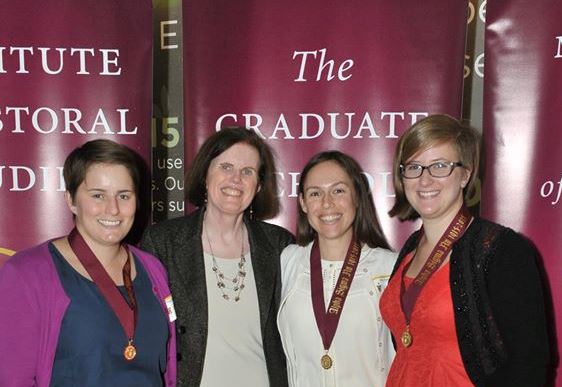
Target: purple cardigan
<point>32,306</point>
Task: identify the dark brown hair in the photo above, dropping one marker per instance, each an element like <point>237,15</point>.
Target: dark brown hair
<point>99,151</point>
<point>265,204</point>
<point>366,224</point>
<point>434,130</point>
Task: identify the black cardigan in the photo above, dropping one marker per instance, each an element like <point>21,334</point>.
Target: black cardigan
<point>177,243</point>
<point>499,306</point>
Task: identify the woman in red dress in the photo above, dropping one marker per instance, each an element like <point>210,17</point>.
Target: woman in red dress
<point>465,303</point>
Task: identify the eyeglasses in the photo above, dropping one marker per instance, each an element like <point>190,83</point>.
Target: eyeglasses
<point>437,169</point>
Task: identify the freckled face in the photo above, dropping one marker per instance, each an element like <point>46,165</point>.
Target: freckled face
<point>232,179</point>
<point>436,197</point>
<point>104,204</point>
<point>329,201</point>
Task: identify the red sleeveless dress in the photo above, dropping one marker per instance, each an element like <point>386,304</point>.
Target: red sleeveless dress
<point>433,359</point>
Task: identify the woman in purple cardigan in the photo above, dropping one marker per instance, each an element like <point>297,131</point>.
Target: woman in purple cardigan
<point>87,309</point>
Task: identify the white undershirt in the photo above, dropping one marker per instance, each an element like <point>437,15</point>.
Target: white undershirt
<point>234,354</point>
<point>330,273</point>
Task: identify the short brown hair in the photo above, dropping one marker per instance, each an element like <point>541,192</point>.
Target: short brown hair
<point>265,204</point>
<point>366,224</point>
<point>430,131</point>
<point>99,151</point>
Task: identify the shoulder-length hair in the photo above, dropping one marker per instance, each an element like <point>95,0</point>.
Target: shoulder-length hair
<point>366,224</point>
<point>434,130</point>
<point>265,204</point>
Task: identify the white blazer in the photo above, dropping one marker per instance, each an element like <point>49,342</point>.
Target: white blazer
<point>362,348</point>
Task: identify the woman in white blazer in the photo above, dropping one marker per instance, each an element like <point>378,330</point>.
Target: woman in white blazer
<point>332,279</point>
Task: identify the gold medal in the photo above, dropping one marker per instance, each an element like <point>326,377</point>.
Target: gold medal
<point>406,338</point>
<point>130,351</point>
<point>326,361</point>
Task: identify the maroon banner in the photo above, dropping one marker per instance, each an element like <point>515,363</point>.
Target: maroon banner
<point>523,128</point>
<point>316,75</point>
<point>70,71</point>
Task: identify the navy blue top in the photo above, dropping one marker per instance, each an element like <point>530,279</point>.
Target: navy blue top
<point>91,340</point>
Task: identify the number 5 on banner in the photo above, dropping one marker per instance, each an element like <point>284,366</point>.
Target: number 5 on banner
<point>171,135</point>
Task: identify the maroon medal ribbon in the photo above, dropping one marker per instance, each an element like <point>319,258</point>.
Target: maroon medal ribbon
<point>408,296</point>
<point>327,320</point>
<point>127,314</point>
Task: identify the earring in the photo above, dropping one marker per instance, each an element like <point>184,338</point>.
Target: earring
<point>251,211</point>
<point>205,198</point>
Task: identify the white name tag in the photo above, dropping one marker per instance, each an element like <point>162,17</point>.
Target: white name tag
<point>170,306</point>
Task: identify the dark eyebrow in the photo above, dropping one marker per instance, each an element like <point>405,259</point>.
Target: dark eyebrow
<point>103,190</point>
<point>331,185</point>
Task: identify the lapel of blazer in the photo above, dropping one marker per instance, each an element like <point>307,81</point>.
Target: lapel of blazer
<point>190,263</point>
<point>264,269</point>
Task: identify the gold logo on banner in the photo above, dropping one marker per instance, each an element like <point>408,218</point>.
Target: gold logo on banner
<point>7,252</point>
